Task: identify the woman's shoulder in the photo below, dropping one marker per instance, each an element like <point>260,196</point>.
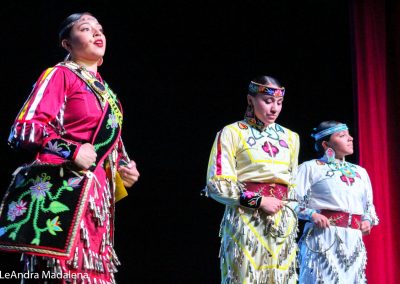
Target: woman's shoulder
<point>235,125</point>
<point>358,167</point>
<point>63,69</point>
<point>50,76</point>
<point>312,163</point>
<point>240,124</point>
<point>233,129</point>
<point>54,72</point>
<point>58,76</point>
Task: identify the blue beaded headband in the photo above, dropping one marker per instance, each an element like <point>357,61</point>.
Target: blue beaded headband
<point>271,91</point>
<point>329,131</point>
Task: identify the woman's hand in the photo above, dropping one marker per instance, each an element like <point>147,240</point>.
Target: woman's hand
<point>129,174</point>
<point>271,205</point>
<point>320,220</point>
<point>365,227</point>
<point>86,156</point>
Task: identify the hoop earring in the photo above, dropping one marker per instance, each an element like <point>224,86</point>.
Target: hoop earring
<point>100,61</point>
<point>67,57</point>
<point>330,155</point>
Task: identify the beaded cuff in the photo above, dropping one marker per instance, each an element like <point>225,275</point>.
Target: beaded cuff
<point>250,199</point>
<point>367,218</point>
<point>62,148</point>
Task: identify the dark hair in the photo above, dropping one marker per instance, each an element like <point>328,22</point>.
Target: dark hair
<point>66,26</point>
<point>322,126</point>
<point>266,80</point>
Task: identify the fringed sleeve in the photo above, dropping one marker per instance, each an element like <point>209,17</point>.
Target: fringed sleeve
<point>222,184</point>
<point>294,144</point>
<point>302,186</point>
<point>39,124</point>
<point>369,208</point>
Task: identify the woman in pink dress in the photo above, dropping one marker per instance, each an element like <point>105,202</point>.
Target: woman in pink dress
<point>63,223</point>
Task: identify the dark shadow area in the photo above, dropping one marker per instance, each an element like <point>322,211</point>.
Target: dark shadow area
<point>181,71</point>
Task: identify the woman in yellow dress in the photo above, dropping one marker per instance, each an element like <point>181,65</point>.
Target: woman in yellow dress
<point>250,171</point>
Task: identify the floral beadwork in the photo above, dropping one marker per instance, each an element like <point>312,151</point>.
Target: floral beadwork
<point>40,198</point>
<point>270,149</point>
<point>54,225</point>
<point>61,148</point>
<point>40,187</point>
<point>347,171</point>
<point>251,141</point>
<point>283,143</point>
<point>250,199</point>
<point>242,125</point>
<point>112,121</point>
<point>16,209</point>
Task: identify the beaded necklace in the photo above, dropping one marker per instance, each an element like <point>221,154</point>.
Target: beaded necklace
<point>336,165</point>
<point>343,167</point>
<point>103,92</point>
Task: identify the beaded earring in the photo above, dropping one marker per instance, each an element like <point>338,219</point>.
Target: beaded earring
<point>249,111</point>
<point>330,155</point>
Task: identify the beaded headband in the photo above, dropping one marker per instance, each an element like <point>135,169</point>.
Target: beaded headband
<point>329,131</point>
<point>267,90</point>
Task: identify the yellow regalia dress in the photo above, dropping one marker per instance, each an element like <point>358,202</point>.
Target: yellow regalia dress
<point>255,247</point>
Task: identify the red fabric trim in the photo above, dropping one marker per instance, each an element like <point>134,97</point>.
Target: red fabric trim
<point>78,147</point>
<point>276,190</point>
<point>219,154</point>
<point>341,219</point>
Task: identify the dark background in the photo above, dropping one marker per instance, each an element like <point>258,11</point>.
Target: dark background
<point>181,70</point>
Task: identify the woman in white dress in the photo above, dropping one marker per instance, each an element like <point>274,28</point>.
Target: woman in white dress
<point>335,196</point>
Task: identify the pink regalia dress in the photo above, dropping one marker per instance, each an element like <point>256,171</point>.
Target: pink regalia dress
<point>68,106</point>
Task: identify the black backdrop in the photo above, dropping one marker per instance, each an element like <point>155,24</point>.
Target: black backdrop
<point>181,70</point>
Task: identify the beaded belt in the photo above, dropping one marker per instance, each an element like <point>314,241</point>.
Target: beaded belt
<point>342,219</point>
<point>276,190</point>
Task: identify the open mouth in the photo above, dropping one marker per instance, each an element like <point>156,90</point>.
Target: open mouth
<point>99,43</point>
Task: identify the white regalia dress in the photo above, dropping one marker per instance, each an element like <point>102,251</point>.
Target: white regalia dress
<point>336,254</point>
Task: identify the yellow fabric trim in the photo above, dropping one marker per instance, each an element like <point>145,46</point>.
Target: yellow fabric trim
<point>251,259</point>
<point>260,239</point>
<point>23,111</point>
<point>219,177</point>
<point>292,141</point>
<point>120,190</point>
<point>47,72</point>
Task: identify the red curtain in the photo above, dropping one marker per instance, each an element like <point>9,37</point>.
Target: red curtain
<point>376,80</point>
